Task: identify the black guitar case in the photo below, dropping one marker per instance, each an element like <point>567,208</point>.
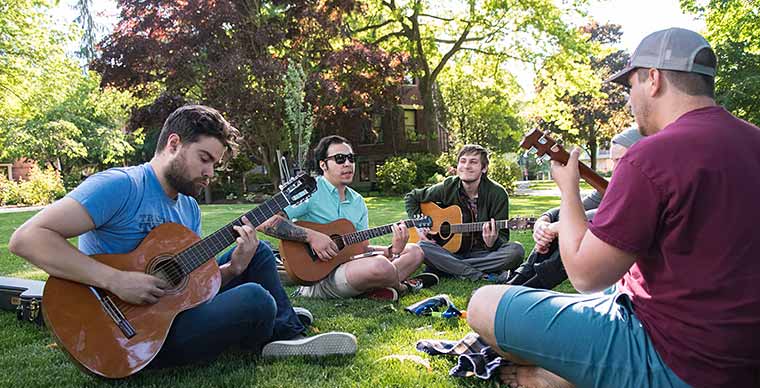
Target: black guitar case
<point>22,296</point>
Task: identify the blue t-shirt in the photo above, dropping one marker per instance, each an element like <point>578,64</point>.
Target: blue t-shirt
<point>325,206</point>
<point>125,204</point>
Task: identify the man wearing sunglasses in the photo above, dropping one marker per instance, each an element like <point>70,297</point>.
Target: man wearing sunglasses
<point>380,276</point>
<point>491,253</point>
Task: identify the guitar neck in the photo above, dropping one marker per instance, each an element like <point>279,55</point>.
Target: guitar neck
<point>200,252</point>
<point>595,180</point>
<point>367,234</point>
<point>543,144</point>
<point>478,226</point>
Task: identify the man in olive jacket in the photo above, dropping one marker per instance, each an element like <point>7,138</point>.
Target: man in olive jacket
<point>491,253</point>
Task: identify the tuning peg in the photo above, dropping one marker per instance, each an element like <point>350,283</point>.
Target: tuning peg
<point>543,140</point>
<point>546,158</point>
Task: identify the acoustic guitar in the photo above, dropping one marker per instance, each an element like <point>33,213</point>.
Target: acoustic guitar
<point>455,236</point>
<point>544,146</point>
<point>304,266</point>
<point>112,338</point>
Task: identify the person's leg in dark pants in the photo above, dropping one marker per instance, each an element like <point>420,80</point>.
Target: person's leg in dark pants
<point>243,315</point>
<point>263,270</point>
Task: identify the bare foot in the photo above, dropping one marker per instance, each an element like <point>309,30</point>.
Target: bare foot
<point>531,377</point>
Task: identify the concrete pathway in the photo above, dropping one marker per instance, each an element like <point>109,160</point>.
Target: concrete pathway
<point>523,188</point>
<point>16,209</point>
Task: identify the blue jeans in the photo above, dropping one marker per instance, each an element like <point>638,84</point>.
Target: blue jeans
<point>589,340</point>
<point>250,310</point>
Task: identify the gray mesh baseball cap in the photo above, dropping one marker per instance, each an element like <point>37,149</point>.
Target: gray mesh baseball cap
<point>671,49</point>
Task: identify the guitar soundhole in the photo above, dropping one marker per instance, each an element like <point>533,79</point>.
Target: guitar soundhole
<point>168,269</point>
<point>338,240</point>
<point>445,231</point>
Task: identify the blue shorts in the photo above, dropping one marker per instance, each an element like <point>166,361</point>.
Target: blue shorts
<point>590,340</point>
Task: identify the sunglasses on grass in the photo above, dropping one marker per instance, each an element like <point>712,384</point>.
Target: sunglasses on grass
<point>341,158</point>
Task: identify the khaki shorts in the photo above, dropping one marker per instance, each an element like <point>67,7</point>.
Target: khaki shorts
<point>335,285</point>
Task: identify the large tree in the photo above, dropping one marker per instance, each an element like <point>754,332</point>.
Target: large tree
<point>33,65</point>
<point>233,56</point>
<point>480,104</point>
<point>590,115</point>
<point>434,32</point>
<point>732,30</point>
<point>49,110</point>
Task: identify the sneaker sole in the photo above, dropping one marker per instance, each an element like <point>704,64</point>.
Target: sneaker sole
<point>327,344</point>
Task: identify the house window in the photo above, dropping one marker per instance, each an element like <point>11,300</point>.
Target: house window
<point>372,130</point>
<point>410,125</point>
<point>364,171</point>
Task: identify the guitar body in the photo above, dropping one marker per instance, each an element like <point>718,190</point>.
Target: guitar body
<point>304,266</point>
<point>90,337</point>
<point>442,218</point>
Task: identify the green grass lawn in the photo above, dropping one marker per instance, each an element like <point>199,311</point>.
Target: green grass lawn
<point>382,329</point>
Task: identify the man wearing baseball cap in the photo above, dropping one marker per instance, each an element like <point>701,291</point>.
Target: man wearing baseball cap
<point>674,236</point>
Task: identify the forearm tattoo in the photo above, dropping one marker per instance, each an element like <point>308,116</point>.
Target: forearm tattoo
<point>284,229</point>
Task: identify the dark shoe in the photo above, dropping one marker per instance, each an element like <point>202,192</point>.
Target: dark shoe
<point>428,279</point>
<point>521,275</point>
<point>304,316</point>
<point>327,344</point>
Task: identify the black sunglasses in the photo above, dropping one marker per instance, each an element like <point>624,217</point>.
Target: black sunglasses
<point>341,158</point>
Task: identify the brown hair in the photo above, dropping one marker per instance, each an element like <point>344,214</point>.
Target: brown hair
<point>475,149</point>
<point>193,121</point>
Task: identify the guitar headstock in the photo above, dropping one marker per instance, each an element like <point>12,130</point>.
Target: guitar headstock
<point>521,223</point>
<point>544,146</point>
<point>422,221</point>
<point>299,188</point>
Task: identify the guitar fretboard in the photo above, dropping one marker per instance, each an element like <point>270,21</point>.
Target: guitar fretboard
<point>367,234</point>
<point>478,226</point>
<point>197,254</point>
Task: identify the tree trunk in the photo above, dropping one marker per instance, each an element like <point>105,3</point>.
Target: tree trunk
<point>429,110</point>
<point>592,147</point>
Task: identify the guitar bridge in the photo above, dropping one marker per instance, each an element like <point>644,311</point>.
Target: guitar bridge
<point>116,315</point>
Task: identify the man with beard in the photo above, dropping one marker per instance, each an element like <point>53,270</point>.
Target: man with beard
<point>491,254</point>
<point>114,210</point>
<point>383,275</point>
<point>685,306</point>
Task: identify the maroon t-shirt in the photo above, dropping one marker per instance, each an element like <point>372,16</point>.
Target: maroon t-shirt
<point>686,201</point>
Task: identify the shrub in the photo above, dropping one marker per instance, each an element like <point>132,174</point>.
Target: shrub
<point>504,169</point>
<point>9,192</point>
<point>447,160</point>
<point>435,178</point>
<point>427,166</point>
<point>397,175</point>
<point>41,188</point>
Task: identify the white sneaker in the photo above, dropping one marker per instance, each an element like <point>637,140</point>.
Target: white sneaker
<point>327,344</point>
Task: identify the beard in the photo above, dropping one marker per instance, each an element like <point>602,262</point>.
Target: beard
<point>642,115</point>
<point>177,179</point>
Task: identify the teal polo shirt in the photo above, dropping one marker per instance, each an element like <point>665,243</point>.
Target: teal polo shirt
<point>325,206</point>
